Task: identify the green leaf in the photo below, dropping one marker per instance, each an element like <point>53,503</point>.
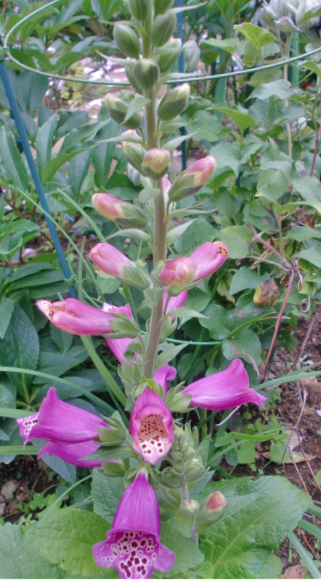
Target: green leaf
<point>187,555</point>
<point>227,155</point>
<point>19,558</point>
<point>29,88</point>
<point>281,89</point>
<point>312,255</point>
<point>102,154</point>
<point>51,168</point>
<point>106,494</point>
<point>255,34</point>
<point>217,322</point>
<point>246,278</point>
<point>184,311</point>
<point>135,105</point>
<point>67,539</point>
<point>258,515</point>
<point>246,452</point>
<point>13,413</point>
<point>237,239</point>
<point>168,354</point>
<point>18,450</point>
<point>313,13</point>
<point>12,163</point>
<point>6,310</point>
<point>243,120</point>
<point>273,158</point>
<point>20,348</point>
<point>44,142</point>
<point>244,344</point>
<point>77,171</point>
<point>228,44</point>
<point>273,569</point>
<point>302,234</point>
<point>272,184</point>
<point>310,189</point>
<point>197,233</point>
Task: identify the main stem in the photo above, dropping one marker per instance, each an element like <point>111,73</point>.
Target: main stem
<point>159,252</point>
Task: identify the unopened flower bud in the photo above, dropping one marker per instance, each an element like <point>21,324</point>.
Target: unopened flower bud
<point>194,470</point>
<point>118,110</point>
<point>122,213</point>
<point>133,151</point>
<point>127,40</point>
<point>167,55</point>
<point>172,496</point>
<point>191,181</point>
<point>156,163</point>
<point>211,511</point>
<point>146,72</point>
<point>133,174</point>
<point>161,6</point>
<point>170,479</point>
<point>174,102</point>
<point>110,437</point>
<point>140,9</point>
<point>129,68</point>
<point>267,293</point>
<point>177,272</point>
<point>190,507</point>
<point>163,28</point>
<point>192,54</point>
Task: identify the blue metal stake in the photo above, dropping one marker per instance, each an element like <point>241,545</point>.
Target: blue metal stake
<point>34,172</point>
<point>179,3</point>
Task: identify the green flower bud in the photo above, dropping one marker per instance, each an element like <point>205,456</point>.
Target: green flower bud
<point>194,470</point>
<point>129,68</point>
<point>156,162</point>
<point>133,151</point>
<point>167,55</point>
<point>191,55</point>
<point>110,437</point>
<point>174,102</point>
<point>113,469</point>
<point>127,40</point>
<point>146,72</point>
<point>212,509</point>
<point>161,6</point>
<point>190,507</point>
<point>172,496</point>
<point>140,9</point>
<point>170,479</point>
<point>163,28</point>
<point>118,110</point>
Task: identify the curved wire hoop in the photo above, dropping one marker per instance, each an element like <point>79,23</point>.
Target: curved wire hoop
<point>179,78</point>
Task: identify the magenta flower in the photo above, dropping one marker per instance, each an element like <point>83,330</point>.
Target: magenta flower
<point>133,544</point>
<point>109,206</point>
<point>202,170</point>
<point>224,390</point>
<point>164,374</point>
<point>166,185</point>
<point>109,259</point>
<point>73,453</point>
<point>177,272</point>
<point>60,422</point>
<point>174,302</point>
<point>118,346</point>
<point>75,317</point>
<point>151,427</point>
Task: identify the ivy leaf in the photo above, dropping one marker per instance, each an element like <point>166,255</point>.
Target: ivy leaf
<point>106,494</point>
<point>67,539</point>
<point>258,516</point>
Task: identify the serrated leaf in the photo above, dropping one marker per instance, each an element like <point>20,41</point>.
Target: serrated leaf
<point>67,539</point>
<point>106,494</point>
<point>256,519</point>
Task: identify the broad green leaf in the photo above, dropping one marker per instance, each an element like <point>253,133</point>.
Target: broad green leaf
<point>237,239</point>
<point>281,89</point>
<point>135,105</point>
<point>102,154</point>
<point>272,184</point>
<point>217,321</point>
<point>274,159</point>
<point>312,255</point>
<point>245,278</point>
<point>19,558</point>
<point>51,168</point>
<point>310,189</point>
<point>257,35</point>
<point>6,310</point>
<point>244,344</point>
<point>311,65</point>
<point>77,171</point>
<point>243,120</point>
<point>67,539</point>
<point>44,142</point>
<point>187,555</point>
<point>227,156</point>
<point>106,494</point>
<point>12,413</point>
<point>19,450</point>
<point>228,44</point>
<point>197,233</point>
<point>29,88</point>
<point>302,234</point>
<point>12,163</point>
<point>273,569</point>
<point>258,516</point>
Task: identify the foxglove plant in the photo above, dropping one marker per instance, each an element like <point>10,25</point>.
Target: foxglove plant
<point>133,544</point>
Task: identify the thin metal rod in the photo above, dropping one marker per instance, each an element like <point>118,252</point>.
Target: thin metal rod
<point>34,172</point>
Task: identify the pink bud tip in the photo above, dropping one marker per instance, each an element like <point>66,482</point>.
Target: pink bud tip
<point>223,249</point>
<point>202,170</point>
<point>178,272</point>
<point>108,205</point>
<point>216,502</point>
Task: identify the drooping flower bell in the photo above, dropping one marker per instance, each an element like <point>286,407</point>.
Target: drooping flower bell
<point>75,317</point>
<point>151,427</point>
<point>203,262</point>
<point>133,544</point>
<point>68,429</point>
<point>224,390</point>
<point>109,259</point>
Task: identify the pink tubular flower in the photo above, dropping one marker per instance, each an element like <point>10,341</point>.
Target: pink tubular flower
<point>166,185</point>
<point>60,422</point>
<point>164,374</point>
<point>109,259</point>
<point>224,390</point>
<point>174,301</point>
<point>108,205</point>
<point>208,258</point>
<point>118,346</point>
<point>75,317</point>
<point>201,170</point>
<point>151,427</point>
<point>178,272</point>
<point>133,544</point>
<point>73,453</point>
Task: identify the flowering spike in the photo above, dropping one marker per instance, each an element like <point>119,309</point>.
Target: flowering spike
<point>109,259</point>
<point>151,427</point>
<point>224,390</point>
<point>75,317</point>
<point>156,162</point>
<point>133,544</point>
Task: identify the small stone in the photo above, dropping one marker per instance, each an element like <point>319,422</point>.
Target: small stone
<point>9,488</point>
<point>295,572</point>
